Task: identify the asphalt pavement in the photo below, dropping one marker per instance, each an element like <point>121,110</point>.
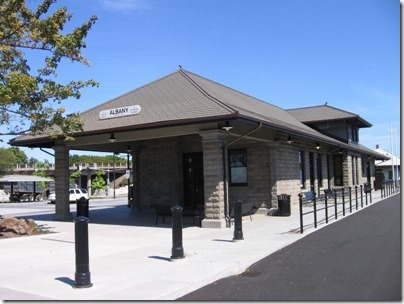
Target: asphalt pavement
<point>356,259</point>
<point>130,255</point>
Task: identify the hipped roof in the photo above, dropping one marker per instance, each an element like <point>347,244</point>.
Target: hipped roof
<point>183,97</point>
<point>317,114</point>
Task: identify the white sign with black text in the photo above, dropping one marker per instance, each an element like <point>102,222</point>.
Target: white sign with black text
<point>119,112</point>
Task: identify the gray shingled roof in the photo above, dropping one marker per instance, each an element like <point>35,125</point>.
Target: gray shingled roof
<point>325,113</point>
<point>184,97</point>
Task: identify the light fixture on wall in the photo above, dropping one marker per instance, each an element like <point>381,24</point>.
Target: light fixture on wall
<point>128,149</point>
<point>318,146</point>
<point>289,140</point>
<point>112,138</point>
<point>227,127</point>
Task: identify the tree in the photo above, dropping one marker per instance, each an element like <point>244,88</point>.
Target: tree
<point>21,157</point>
<point>7,161</point>
<point>32,161</point>
<point>95,159</point>
<point>98,182</point>
<point>30,96</point>
<point>74,177</point>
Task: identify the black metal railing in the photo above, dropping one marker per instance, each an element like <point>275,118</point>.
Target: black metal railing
<point>339,201</point>
<point>389,188</point>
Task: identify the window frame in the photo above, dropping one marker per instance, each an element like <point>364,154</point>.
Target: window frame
<point>232,156</point>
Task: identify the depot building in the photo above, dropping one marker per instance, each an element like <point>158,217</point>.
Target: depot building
<point>197,143</point>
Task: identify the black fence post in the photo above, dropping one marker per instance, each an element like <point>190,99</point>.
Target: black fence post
<point>177,251</point>
<point>238,225</point>
<point>381,190</point>
<point>301,212</point>
<point>361,197</point>
<point>350,199</point>
<point>326,209</point>
<point>315,209</point>
<point>366,194</point>
<point>335,203</point>
<point>370,194</point>
<point>343,201</point>
<point>82,276</point>
<point>356,197</point>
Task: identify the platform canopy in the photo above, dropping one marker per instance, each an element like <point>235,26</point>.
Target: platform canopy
<point>23,178</point>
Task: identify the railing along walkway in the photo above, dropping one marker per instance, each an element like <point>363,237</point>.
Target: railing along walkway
<point>330,206</point>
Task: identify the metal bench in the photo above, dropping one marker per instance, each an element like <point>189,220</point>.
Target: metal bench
<point>163,211</point>
<point>246,209</point>
<point>308,197</point>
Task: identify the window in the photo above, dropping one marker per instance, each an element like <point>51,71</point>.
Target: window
<point>353,134</point>
<point>338,172</point>
<point>301,170</point>
<point>238,167</point>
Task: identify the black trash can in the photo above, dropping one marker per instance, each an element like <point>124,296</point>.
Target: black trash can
<point>283,205</point>
<point>82,207</point>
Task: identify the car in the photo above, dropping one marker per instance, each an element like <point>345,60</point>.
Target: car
<point>74,194</point>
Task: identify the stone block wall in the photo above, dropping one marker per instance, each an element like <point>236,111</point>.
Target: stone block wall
<point>159,172</point>
<point>258,190</point>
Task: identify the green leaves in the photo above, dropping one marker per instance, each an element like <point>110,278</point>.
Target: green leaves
<point>98,182</point>
<point>27,97</point>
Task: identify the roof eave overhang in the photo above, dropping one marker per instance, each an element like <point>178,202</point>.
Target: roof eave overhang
<point>48,142</point>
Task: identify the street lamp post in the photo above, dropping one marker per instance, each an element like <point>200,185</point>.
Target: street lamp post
<point>128,151</point>
<point>115,154</point>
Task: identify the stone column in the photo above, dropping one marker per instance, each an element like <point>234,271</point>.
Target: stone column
<point>213,142</point>
<point>62,206</point>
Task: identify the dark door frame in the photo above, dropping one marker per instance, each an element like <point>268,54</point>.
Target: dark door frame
<point>193,179</point>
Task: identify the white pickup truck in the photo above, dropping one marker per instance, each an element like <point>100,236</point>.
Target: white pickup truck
<point>74,194</point>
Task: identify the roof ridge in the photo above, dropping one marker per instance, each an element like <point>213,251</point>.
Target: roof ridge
<point>204,92</point>
<point>127,93</point>
<point>321,106</point>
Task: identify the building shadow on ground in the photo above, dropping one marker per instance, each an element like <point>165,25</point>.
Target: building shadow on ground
<point>117,215</point>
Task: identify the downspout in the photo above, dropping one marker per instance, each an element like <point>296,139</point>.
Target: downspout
<point>226,184</point>
<point>47,152</point>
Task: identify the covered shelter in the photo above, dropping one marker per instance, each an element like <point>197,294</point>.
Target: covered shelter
<point>27,186</point>
<point>200,144</point>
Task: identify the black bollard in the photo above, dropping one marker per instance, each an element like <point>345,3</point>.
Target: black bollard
<point>335,204</point>
<point>301,212</point>
<point>82,207</point>
<point>238,229</point>
<point>177,251</point>
<point>82,275</point>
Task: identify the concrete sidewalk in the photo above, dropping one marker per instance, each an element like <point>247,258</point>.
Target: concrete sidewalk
<point>131,261</point>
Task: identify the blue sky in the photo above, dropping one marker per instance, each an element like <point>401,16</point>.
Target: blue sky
<point>291,53</point>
